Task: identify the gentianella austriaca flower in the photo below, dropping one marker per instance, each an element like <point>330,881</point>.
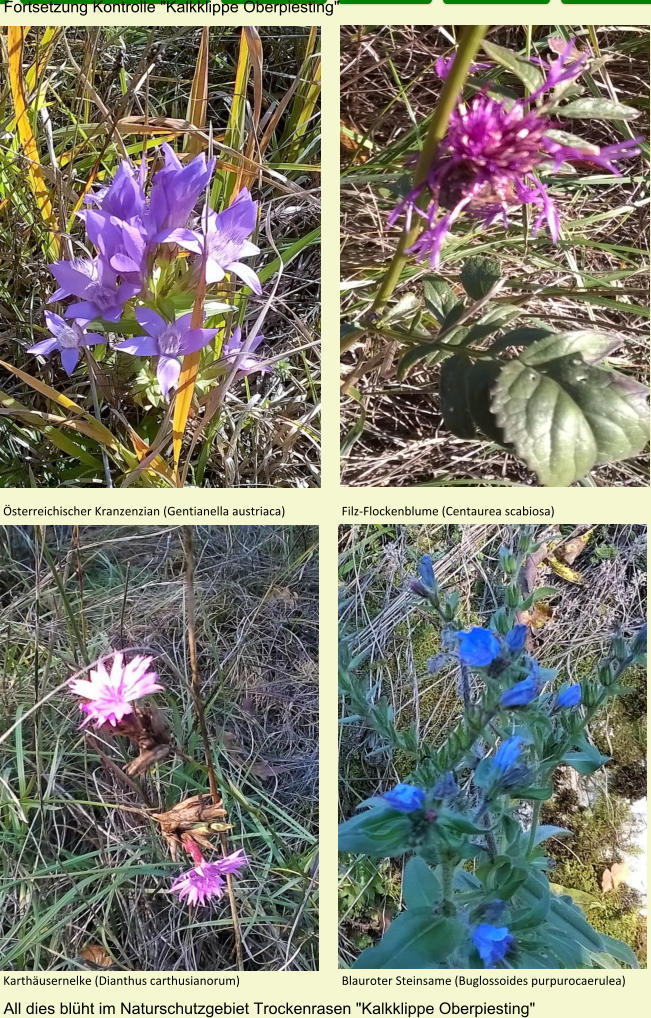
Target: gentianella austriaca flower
<point>133,232</point>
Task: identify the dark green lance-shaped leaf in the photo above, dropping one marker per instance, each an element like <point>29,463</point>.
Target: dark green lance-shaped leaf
<point>480,383</point>
<point>532,902</point>
<point>439,298</point>
<point>545,831</point>
<point>479,275</point>
<point>527,72</point>
<point>416,939</point>
<point>421,887</point>
<point>491,322</point>
<point>562,414</point>
<point>524,336</point>
<point>597,109</point>
<point>454,396</point>
<point>422,352</point>
<point>378,832</point>
<point>586,759</point>
<point>569,922</point>
<point>620,951</point>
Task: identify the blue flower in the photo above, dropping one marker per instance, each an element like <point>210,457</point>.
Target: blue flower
<point>520,694</point>
<point>507,754</point>
<point>478,647</point>
<point>492,943</point>
<point>570,696</point>
<point>516,639</point>
<point>405,798</point>
<point>426,570</point>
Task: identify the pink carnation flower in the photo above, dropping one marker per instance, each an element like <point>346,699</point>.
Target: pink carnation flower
<point>206,880</point>
<point>108,695</point>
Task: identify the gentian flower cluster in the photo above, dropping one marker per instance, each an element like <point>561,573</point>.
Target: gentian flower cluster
<point>108,697</point>
<point>491,159</point>
<point>136,237</point>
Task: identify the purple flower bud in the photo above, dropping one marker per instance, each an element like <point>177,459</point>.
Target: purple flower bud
<point>492,943</point>
<point>516,639</point>
<point>426,570</point>
<point>507,754</point>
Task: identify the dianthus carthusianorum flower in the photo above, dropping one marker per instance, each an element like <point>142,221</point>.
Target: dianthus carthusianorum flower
<point>405,798</point>
<point>108,695</point>
<point>490,160</point>
<point>68,338</point>
<point>492,943</point>
<point>168,341</point>
<point>478,647</point>
<point>206,880</point>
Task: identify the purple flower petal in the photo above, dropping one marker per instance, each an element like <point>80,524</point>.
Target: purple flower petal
<point>196,339</point>
<point>44,346</point>
<point>139,346</point>
<point>150,320</point>
<point>168,371</point>
<point>247,275</point>
<point>69,360</point>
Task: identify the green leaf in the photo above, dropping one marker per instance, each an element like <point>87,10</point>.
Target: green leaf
<point>572,141</point>
<point>527,72</point>
<point>420,885</point>
<point>439,298</point>
<point>416,939</point>
<point>417,353</point>
<point>545,831</point>
<point>538,794</point>
<point>596,109</point>
<point>479,275</point>
<point>563,415</point>
<point>378,832</point>
<point>620,951</point>
<point>453,391</point>
<point>524,336</point>
<point>586,760</point>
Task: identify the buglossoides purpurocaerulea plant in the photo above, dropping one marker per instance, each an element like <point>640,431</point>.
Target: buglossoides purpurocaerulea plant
<point>466,819</point>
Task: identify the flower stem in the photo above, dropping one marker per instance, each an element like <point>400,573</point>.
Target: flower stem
<point>469,44</point>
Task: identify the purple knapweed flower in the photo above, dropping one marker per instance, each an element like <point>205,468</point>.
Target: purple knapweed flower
<point>96,283</point>
<point>520,694</point>
<point>223,237</point>
<point>405,798</point>
<point>174,192</point>
<point>516,638</point>
<point>443,66</point>
<point>68,338</point>
<point>168,341</point>
<point>489,160</point>
<point>233,353</point>
<point>570,696</point>
<point>108,695</point>
<point>478,647</point>
<point>492,943</point>
<point>206,880</point>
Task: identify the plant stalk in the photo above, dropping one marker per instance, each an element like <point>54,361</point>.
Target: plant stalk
<point>469,44</point>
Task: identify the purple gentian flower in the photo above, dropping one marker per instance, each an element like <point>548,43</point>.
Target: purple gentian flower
<point>122,245</point>
<point>168,341</point>
<point>225,240</point>
<point>68,338</point>
<point>520,694</point>
<point>97,284</point>
<point>488,163</point>
<point>478,647</point>
<point>174,193</point>
<point>124,198</point>
<point>570,696</point>
<point>245,362</point>
<point>492,943</point>
<point>405,798</point>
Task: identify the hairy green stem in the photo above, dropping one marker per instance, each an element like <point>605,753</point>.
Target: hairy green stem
<point>468,46</point>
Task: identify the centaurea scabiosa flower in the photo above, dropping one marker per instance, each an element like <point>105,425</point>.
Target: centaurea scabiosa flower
<point>107,694</point>
<point>68,338</point>
<point>222,240</point>
<point>490,159</point>
<point>168,341</point>
<point>206,880</point>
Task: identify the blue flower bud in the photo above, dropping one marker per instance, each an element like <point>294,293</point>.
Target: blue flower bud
<point>570,696</point>
<point>492,943</point>
<point>478,647</point>
<point>520,694</point>
<point>445,787</point>
<point>418,588</point>
<point>426,570</point>
<point>507,754</point>
<point>516,639</point>
<point>405,798</point>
